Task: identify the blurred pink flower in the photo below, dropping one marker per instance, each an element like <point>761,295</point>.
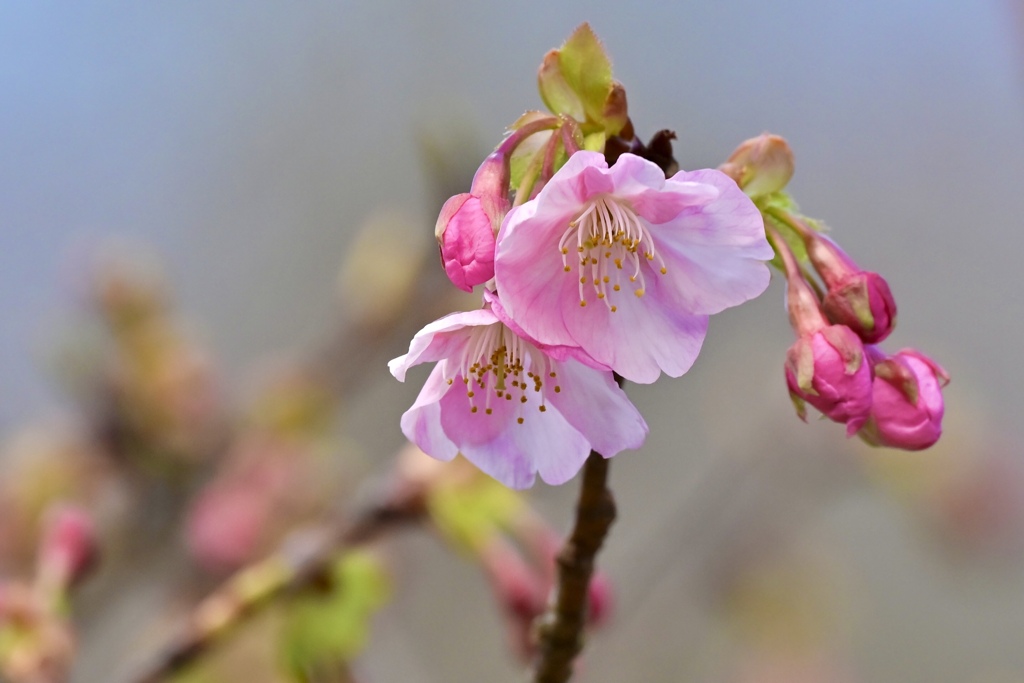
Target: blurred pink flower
<point>627,265</point>
<point>509,408</point>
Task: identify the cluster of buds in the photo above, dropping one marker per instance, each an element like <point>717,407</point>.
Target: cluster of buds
<point>836,364</point>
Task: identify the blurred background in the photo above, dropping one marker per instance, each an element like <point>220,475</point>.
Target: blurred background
<point>244,147</point>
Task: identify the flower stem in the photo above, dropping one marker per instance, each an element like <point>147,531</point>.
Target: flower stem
<point>560,629</point>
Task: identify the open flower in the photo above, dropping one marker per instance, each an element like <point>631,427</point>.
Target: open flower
<point>627,265</point>
<point>508,407</point>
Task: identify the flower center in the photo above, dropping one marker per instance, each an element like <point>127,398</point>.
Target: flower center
<point>503,367</point>
<point>610,241</point>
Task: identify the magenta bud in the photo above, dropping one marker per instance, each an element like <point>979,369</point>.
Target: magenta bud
<point>468,224</point>
<point>907,405</point>
<point>828,369</point>
<point>863,303</point>
<point>859,299</point>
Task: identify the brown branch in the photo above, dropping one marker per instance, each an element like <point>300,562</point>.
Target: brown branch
<point>303,561</point>
<point>560,629</point>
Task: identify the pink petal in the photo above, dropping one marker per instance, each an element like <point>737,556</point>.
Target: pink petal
<point>421,424</point>
<point>594,404</point>
<point>439,339</point>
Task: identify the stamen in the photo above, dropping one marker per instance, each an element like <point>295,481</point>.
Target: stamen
<point>608,232</point>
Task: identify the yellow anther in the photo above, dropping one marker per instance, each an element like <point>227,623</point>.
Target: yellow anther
<point>519,420</point>
<point>639,292</point>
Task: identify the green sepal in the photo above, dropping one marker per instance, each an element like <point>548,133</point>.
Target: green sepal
<point>587,70</point>
<point>595,141</point>
<point>523,155</point>
<point>325,627</point>
<point>558,95</point>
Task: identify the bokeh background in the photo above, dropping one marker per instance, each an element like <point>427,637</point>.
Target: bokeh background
<point>245,144</point>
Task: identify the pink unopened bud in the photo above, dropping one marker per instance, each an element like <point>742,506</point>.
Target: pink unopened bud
<point>68,548</point>
<point>826,366</point>
<point>859,299</point>
<point>469,222</point>
<point>828,370</point>
<point>907,401</point>
<point>760,165</point>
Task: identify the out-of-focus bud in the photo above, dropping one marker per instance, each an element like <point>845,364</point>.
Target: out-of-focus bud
<point>859,299</point>
<point>68,549</point>
<point>826,366</point>
<point>601,600</point>
<point>36,644</point>
<point>907,401</point>
<point>760,165</point>
<point>375,297</point>
<point>469,222</point>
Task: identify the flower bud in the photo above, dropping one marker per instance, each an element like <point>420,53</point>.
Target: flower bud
<point>828,370</point>
<point>907,404</point>
<point>859,299</point>
<point>825,366</point>
<point>469,222</point>
<point>68,548</point>
<point>760,165</point>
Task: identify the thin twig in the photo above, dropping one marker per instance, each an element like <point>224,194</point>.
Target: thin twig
<point>297,565</point>
<point>560,629</point>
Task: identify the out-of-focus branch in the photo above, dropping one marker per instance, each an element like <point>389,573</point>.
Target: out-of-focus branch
<point>560,631</point>
<point>304,560</point>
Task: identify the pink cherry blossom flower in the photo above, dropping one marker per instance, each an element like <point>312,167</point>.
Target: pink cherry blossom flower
<point>627,265</point>
<point>508,407</point>
<point>908,407</point>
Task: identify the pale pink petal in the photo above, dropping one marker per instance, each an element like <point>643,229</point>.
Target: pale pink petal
<point>642,184</point>
<point>532,280</point>
<point>583,176</point>
<point>510,452</point>
<point>593,403</point>
<point>439,339</point>
<point>639,340</point>
<point>559,353</point>
<point>421,424</point>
